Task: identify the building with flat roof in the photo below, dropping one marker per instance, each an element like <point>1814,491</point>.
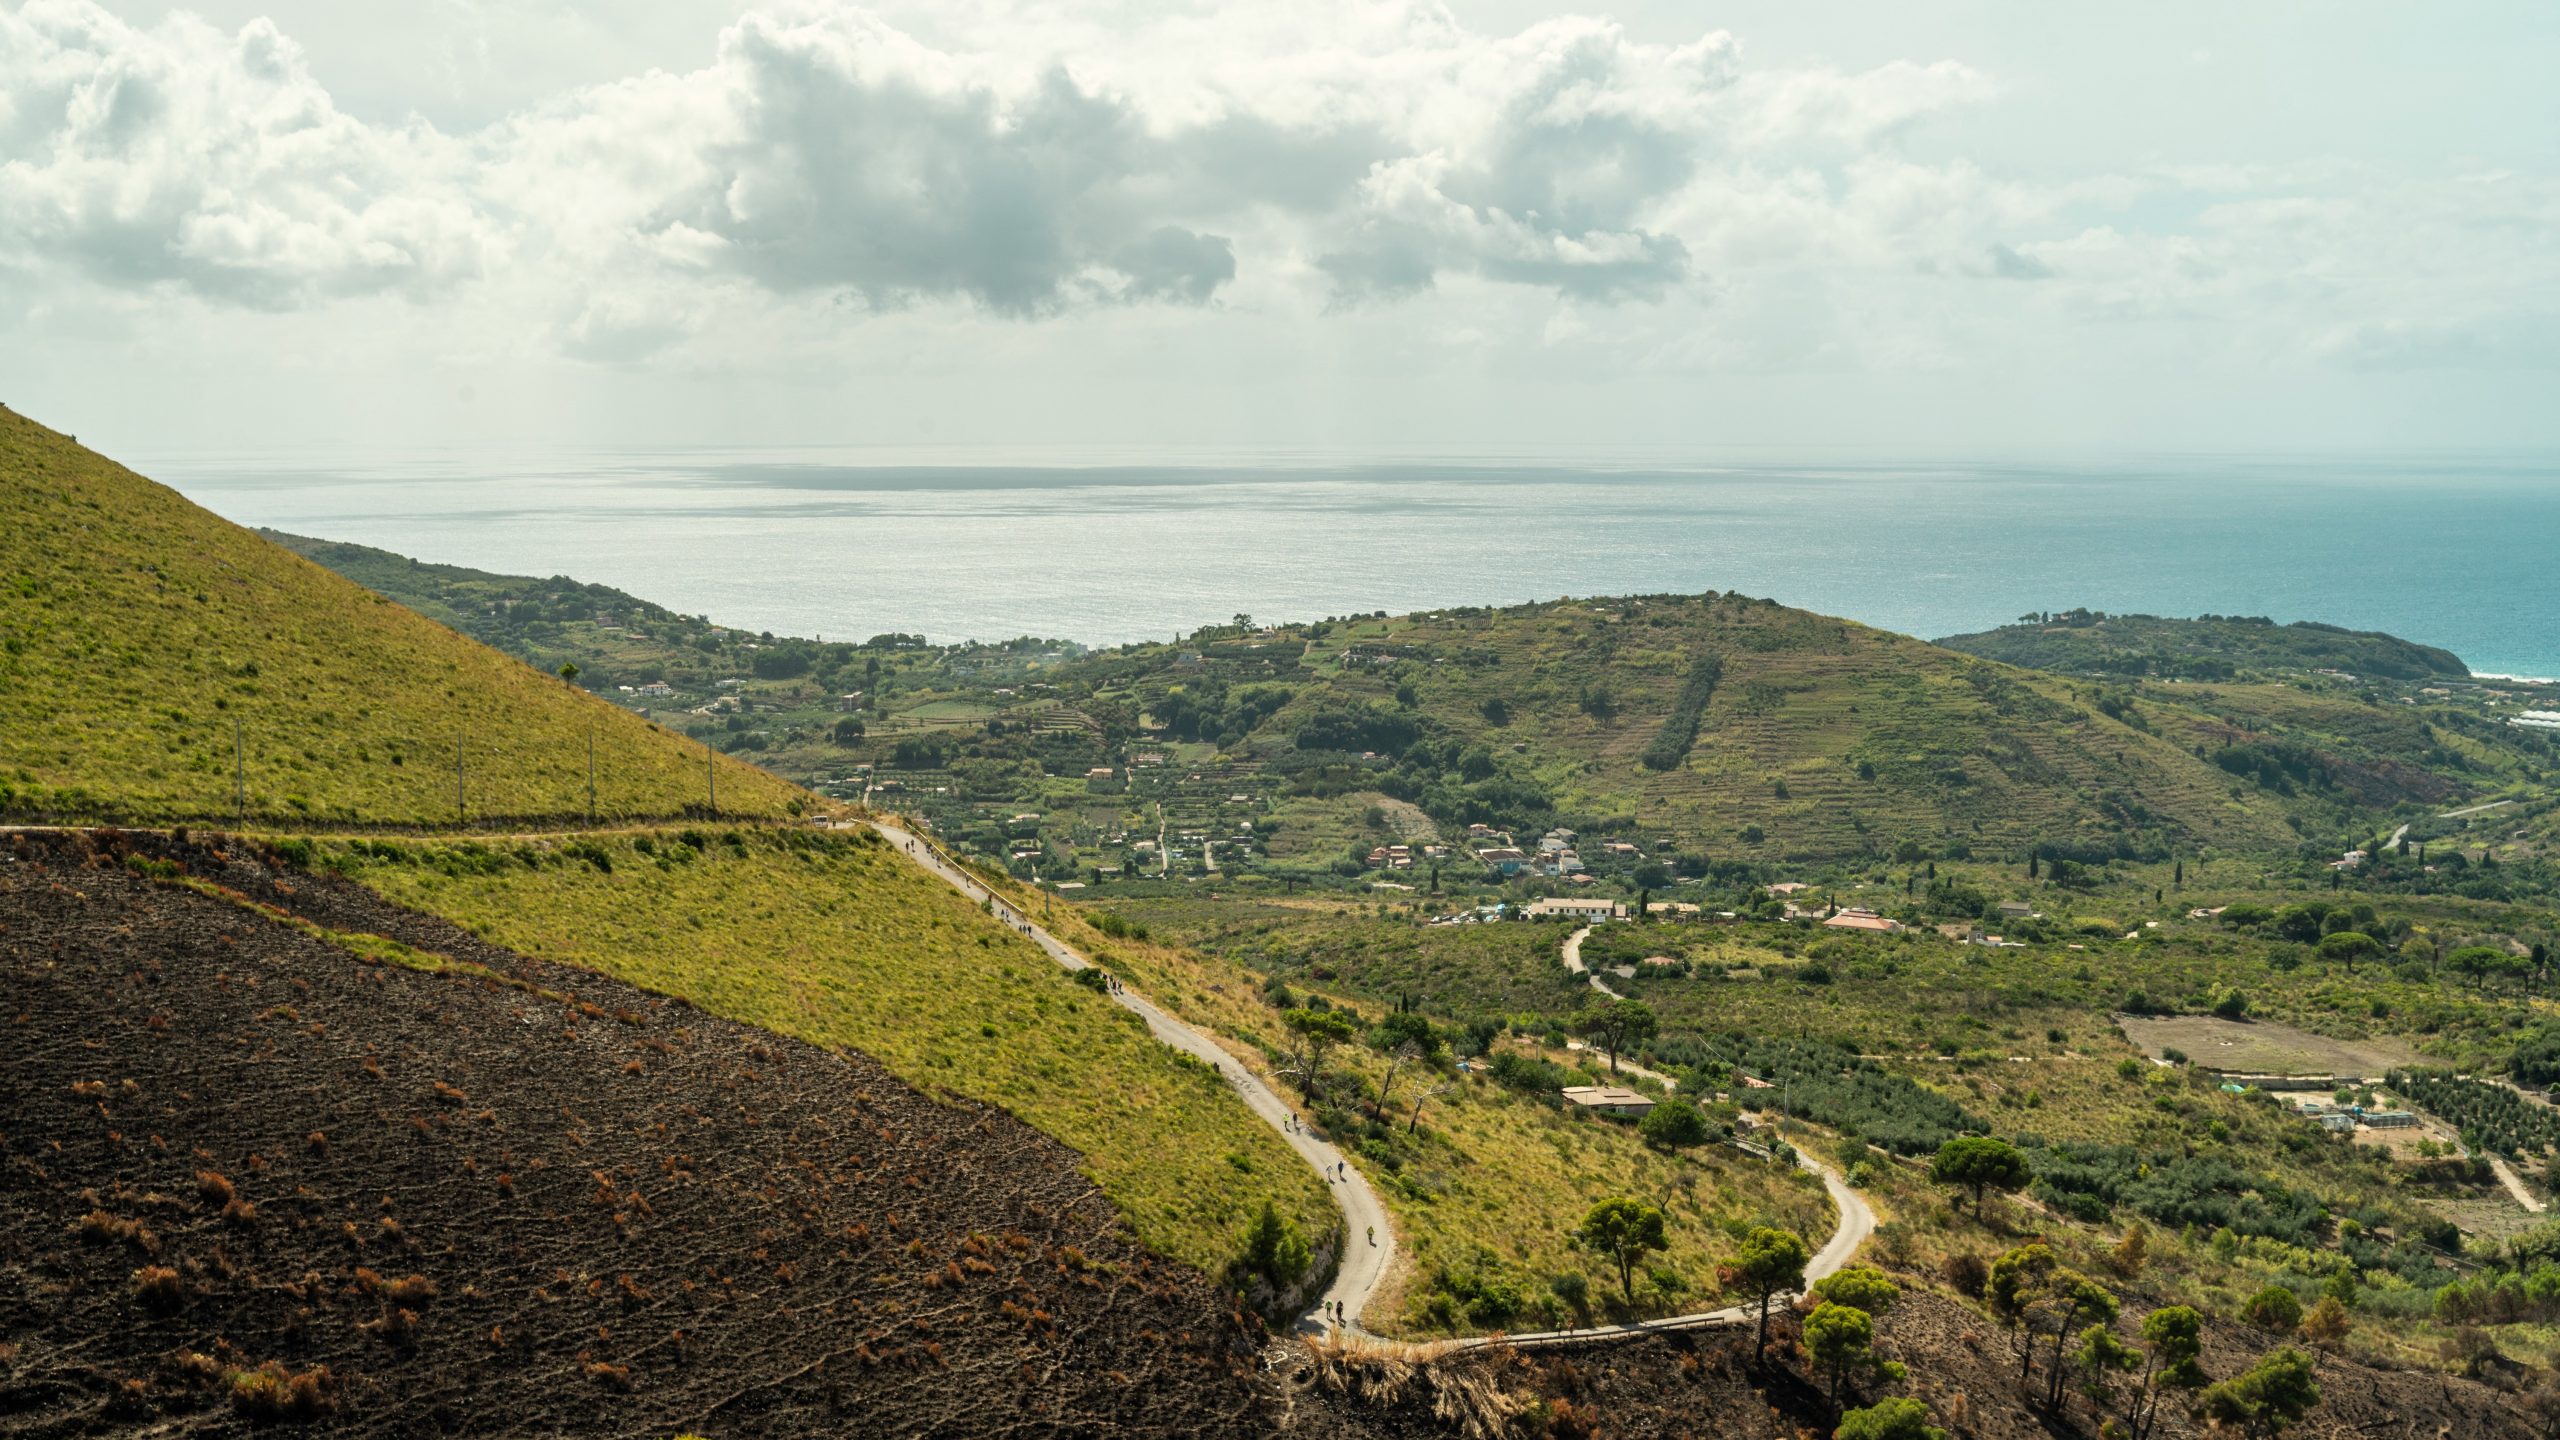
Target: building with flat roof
<point>1569,909</point>
<point>1611,1100</point>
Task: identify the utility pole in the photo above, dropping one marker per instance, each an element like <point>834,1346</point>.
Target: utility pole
<point>591,776</point>
<point>239,772</point>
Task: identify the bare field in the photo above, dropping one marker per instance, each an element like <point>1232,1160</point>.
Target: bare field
<point>2262,1047</point>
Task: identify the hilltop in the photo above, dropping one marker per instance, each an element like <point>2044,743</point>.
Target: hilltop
<point>160,663</point>
<point>1812,737</point>
<point>2208,647</point>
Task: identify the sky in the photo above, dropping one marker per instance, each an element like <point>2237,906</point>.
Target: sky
<point>1908,227</point>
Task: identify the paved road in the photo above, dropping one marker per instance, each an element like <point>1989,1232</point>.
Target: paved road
<point>1573,962</point>
<point>2473,810</point>
<point>1364,1263</point>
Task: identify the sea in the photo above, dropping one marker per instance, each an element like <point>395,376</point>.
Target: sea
<point>1106,548</point>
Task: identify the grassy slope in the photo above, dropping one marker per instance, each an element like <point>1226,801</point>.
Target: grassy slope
<point>135,628</point>
<point>1960,749</point>
<point>1490,1186</point>
<point>2151,644</point>
<point>843,944</point>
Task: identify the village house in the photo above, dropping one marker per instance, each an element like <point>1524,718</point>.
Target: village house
<point>1676,909</point>
<point>1615,1101</point>
<point>1856,918</point>
<point>2016,910</point>
<point>1502,860</point>
<point>1621,850</point>
<point>1563,908</point>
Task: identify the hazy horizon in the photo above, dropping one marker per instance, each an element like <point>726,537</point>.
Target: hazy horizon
<point>2446,554</point>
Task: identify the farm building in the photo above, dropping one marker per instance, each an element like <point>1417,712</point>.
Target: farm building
<point>1854,918</point>
<point>1612,1100</point>
<point>1563,909</point>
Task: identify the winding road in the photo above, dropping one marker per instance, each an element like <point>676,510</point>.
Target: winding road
<point>1364,1266</point>
<point>1364,1262</point>
<point>1573,962</point>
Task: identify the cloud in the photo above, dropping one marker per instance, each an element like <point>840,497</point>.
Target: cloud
<point>820,184</point>
<point>2008,264</point>
<point>178,156</point>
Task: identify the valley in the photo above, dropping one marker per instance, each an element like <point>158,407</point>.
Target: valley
<point>899,1032</point>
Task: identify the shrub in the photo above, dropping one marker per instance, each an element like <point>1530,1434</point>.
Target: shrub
<point>2273,1308</point>
<point>98,1228</point>
<point>1965,1273</point>
<point>1574,1289</point>
<point>271,1392</point>
<point>215,1190</point>
<point>1274,1252</point>
<point>159,1287</point>
<point>1898,1418</point>
<point>1673,1125</point>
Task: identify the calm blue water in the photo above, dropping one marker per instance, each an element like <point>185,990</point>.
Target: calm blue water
<point>2461,555</point>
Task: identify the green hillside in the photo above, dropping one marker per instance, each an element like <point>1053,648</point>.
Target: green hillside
<point>1747,728</point>
<point>1730,726</point>
<point>142,638</point>
<point>2209,647</point>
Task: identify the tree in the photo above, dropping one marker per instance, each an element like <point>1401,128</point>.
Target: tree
<point>1863,1286</point>
<point>2476,963</point>
<point>2172,1337</point>
<point>1899,1418</point>
<point>2273,1308</point>
<point>2268,1398</point>
<point>1405,1053</point>
<point>2346,947</point>
<point>1673,1125</point>
<point>1623,1230</point>
<point>1616,1025</point>
<point>1837,1337</point>
<point>1977,1163</point>
<point>2326,1323</point>
<point>1274,1252</point>
<point>849,729</point>
<point>2075,1297</point>
<point>569,671</point>
<point>2102,1354</point>
<point>2018,1281</point>
<point>1318,1031</point>
<point>2133,1251</point>
<point>1769,1263</point>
